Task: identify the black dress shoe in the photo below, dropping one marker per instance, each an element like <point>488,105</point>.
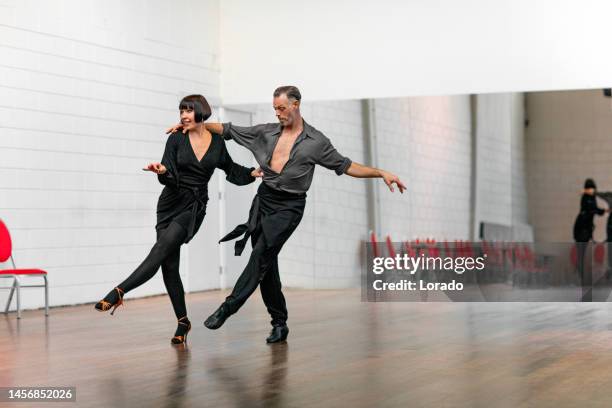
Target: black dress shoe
<point>278,334</point>
<point>217,319</point>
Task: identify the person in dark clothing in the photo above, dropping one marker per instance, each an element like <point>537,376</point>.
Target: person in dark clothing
<point>583,226</point>
<point>583,234</point>
<point>607,196</point>
<point>287,153</point>
<point>188,163</point>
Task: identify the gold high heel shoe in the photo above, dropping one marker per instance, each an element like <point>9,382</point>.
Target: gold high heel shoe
<point>104,305</point>
<point>180,339</point>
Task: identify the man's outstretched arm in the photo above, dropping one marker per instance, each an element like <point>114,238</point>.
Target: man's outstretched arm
<point>243,135</point>
<point>212,127</point>
<point>360,171</point>
<point>329,157</point>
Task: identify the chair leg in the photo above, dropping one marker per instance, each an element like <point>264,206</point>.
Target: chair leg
<point>10,298</point>
<point>17,289</point>
<point>46,296</point>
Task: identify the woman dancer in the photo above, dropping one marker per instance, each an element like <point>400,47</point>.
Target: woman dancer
<point>583,233</point>
<point>187,165</point>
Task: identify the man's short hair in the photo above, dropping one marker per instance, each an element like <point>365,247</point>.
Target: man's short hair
<point>291,91</point>
<point>199,104</point>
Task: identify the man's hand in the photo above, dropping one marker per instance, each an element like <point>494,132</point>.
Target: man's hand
<point>175,128</point>
<point>361,171</point>
<point>156,168</point>
<point>258,172</point>
<point>390,178</point>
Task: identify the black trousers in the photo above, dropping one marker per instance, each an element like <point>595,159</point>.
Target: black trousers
<point>609,245</point>
<point>262,269</point>
<point>165,253</point>
<point>274,216</point>
<point>584,251</point>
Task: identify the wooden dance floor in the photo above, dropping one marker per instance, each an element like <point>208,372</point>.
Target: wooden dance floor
<point>341,353</point>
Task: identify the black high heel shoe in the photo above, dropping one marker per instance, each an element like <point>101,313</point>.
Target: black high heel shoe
<point>183,328</point>
<point>114,299</point>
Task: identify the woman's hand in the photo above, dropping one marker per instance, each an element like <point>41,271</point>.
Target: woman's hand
<point>156,168</point>
<point>258,172</point>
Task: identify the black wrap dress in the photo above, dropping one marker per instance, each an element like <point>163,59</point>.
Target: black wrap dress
<point>583,226</point>
<point>185,195</point>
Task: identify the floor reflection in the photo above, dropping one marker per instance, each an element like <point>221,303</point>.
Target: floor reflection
<point>272,384</point>
<point>175,394</point>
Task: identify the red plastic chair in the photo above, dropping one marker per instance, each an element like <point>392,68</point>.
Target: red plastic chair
<point>6,249</point>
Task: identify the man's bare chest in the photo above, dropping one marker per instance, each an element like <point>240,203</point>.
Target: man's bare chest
<point>281,152</point>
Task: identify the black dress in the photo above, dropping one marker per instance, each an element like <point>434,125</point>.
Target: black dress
<point>583,226</point>
<point>185,195</point>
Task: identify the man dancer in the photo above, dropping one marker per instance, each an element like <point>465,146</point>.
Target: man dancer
<point>287,153</point>
<point>607,196</point>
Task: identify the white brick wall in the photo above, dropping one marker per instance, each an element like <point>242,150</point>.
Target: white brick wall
<point>493,147</point>
<point>520,204</point>
<point>500,170</point>
<point>568,140</point>
<point>426,141</point>
<point>86,89</point>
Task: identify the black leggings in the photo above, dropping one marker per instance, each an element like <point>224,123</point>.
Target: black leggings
<point>165,253</point>
<point>584,252</point>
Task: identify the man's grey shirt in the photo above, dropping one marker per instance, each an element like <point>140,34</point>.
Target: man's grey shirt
<point>311,147</point>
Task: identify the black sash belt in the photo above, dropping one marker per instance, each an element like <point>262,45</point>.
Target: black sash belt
<point>263,193</point>
<point>247,229</point>
<point>200,200</point>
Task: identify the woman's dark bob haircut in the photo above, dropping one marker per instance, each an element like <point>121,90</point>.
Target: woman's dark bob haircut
<point>199,104</point>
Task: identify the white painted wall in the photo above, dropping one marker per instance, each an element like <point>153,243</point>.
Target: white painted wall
<point>501,195</point>
<point>86,89</point>
<point>518,165</point>
<point>427,141</point>
<point>396,48</point>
